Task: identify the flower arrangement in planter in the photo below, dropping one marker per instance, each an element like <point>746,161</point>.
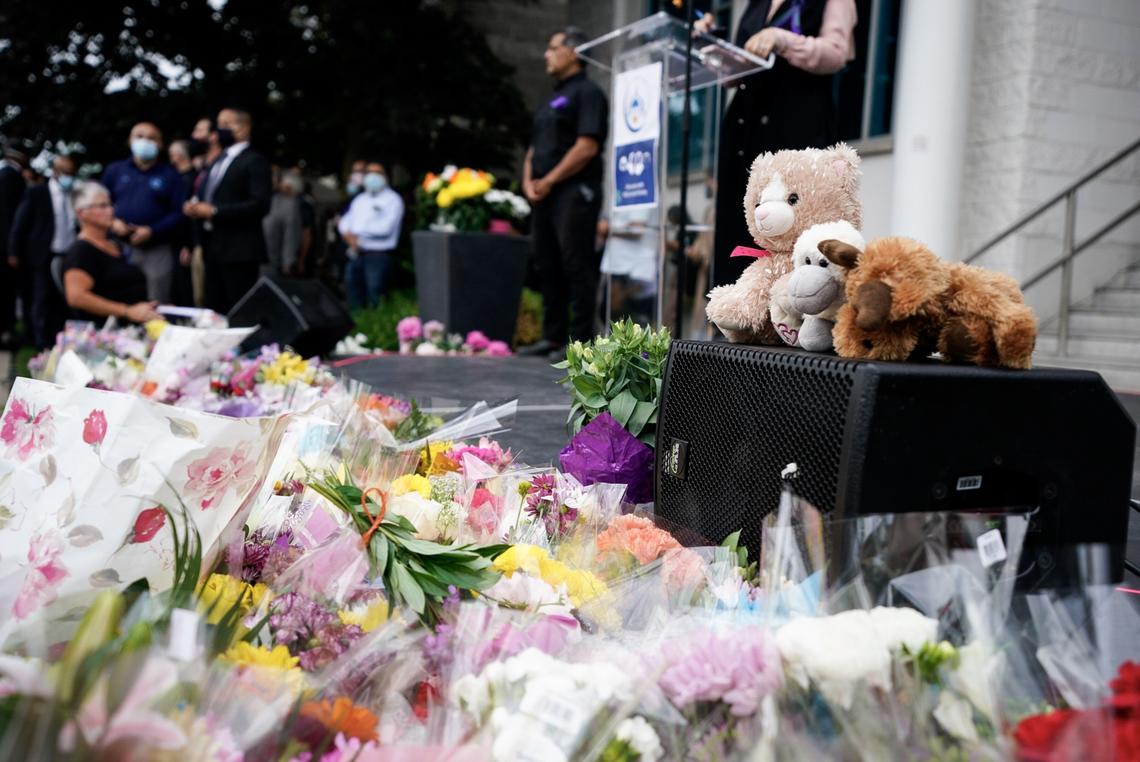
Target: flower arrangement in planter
<point>465,200</point>
<point>432,339</point>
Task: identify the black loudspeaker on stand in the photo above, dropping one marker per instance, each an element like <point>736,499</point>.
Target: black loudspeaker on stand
<point>299,313</point>
<point>874,438</point>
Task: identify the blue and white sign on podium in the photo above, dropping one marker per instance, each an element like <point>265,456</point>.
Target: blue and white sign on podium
<point>636,129</point>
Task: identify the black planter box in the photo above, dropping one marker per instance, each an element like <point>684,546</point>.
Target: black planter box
<point>471,281</point>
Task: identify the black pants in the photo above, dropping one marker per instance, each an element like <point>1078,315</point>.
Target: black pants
<point>9,288</point>
<point>565,223</point>
<point>48,310</point>
<point>227,282</point>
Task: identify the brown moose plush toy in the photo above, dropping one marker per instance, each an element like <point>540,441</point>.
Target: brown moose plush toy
<point>903,301</point>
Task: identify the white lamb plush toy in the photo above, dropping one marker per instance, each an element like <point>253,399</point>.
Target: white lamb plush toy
<point>804,303</point>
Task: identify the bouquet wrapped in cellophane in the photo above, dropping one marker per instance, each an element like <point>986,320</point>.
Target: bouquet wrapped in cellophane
<point>364,580</point>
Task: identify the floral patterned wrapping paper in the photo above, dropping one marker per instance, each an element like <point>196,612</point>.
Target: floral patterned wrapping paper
<point>83,474</point>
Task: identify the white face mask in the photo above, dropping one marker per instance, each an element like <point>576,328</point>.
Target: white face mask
<point>374,182</point>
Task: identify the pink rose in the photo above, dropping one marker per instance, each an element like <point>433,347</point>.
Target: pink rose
<point>433,329</point>
<point>94,428</point>
<point>212,476</point>
<point>25,433</point>
<point>477,341</point>
<point>498,349</point>
<point>409,329</point>
<point>45,572</point>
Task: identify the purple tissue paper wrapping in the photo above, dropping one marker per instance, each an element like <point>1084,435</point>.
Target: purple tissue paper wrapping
<point>605,452</point>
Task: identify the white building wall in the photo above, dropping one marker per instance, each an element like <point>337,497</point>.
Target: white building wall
<point>1055,91</point>
<point>876,194</point>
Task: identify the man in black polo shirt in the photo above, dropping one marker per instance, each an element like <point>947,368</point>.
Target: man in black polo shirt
<point>562,177</point>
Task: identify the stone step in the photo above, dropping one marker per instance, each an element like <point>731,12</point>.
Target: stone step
<point>1129,278</point>
<point>1112,348</point>
<point>1096,322</point>
<point>1120,377</point>
<point>1116,299</point>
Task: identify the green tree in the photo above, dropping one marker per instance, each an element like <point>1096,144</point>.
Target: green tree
<point>412,83</point>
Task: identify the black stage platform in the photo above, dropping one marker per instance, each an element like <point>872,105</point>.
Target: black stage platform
<point>448,384</point>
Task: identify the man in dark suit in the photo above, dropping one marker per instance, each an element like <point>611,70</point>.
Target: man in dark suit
<point>44,228</point>
<point>12,186</point>
<point>231,203</point>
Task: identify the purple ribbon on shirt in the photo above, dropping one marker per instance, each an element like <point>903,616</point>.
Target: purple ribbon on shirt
<point>559,102</point>
<point>789,18</point>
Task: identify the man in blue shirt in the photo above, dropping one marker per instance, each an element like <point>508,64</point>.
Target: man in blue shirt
<point>148,195</point>
<point>371,228</point>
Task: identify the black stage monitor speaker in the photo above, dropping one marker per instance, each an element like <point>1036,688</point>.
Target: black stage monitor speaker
<point>300,313</point>
<point>874,437</point>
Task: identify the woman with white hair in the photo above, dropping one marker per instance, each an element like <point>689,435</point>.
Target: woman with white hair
<point>98,280</point>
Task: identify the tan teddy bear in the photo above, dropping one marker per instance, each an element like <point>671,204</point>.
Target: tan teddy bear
<point>788,192</point>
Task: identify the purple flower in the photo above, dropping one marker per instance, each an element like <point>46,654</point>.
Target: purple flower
<point>542,502</point>
<point>739,668</point>
<point>313,633</point>
<point>438,649</point>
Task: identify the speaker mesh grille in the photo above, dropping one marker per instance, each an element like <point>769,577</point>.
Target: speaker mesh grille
<point>744,413</point>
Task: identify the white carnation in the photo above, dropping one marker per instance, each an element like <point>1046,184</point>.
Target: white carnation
<point>641,737</point>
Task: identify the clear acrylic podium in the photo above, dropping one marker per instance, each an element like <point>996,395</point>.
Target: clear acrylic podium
<point>636,264</point>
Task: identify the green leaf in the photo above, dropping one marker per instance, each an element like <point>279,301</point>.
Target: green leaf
<point>380,553</point>
<point>641,415</point>
<point>622,407</point>
<point>585,385</point>
<point>408,588</point>
<point>596,401</point>
<point>427,548</point>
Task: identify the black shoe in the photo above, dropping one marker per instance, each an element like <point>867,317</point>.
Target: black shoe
<point>538,349</point>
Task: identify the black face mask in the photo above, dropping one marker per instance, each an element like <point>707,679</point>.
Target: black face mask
<point>225,137</point>
<point>198,147</point>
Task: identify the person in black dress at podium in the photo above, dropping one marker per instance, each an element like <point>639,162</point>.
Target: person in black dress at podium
<point>789,106</point>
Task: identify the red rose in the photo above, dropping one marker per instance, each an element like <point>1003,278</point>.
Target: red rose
<point>147,524</point>
<point>1127,683</point>
<point>1036,735</point>
<point>94,428</point>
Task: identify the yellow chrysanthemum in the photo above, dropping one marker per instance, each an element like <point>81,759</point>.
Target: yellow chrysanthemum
<point>270,667</point>
<point>527,558</point>
<point>222,593</point>
<point>433,450</point>
<point>412,483</point>
<point>581,585</point>
<point>154,328</point>
<point>288,367</point>
<point>248,655</point>
<point>368,618</point>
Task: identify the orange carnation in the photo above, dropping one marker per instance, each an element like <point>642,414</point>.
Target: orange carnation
<point>638,536</point>
<point>342,716</point>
